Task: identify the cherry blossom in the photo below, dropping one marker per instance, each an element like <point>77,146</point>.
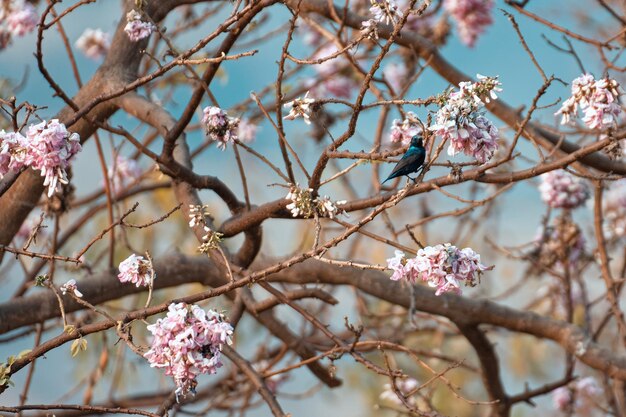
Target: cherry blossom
<point>94,43</point>
<point>123,172</point>
<point>328,208</point>
<point>70,286</point>
<point>396,75</point>
<point>219,126</point>
<point>444,267</point>
<point>300,107</point>
<point>188,342</point>
<point>560,189</point>
<point>335,80</point>
<point>48,148</point>
<point>385,11</point>
<point>598,99</point>
<point>561,398</point>
<point>22,18</point>
<point>461,120</point>
<point>304,205</point>
<point>585,390</point>
<point>471,17</point>
<point>405,386</point>
<point>246,130</point>
<point>136,29</point>
<point>369,29</point>
<point>136,270</point>
<point>397,264</point>
<point>403,130</point>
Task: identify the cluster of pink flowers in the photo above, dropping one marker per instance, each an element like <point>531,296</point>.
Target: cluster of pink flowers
<point>220,126</point>
<point>136,270</point>
<point>471,17</point>
<point>598,99</point>
<point>336,79</point>
<point>403,130</point>
<point>137,29</point>
<point>123,172</point>
<point>94,43</point>
<point>385,11</point>
<point>396,75</point>
<point>405,386</point>
<point>587,394</point>
<point>246,131</point>
<point>461,121</point>
<point>369,29</point>
<point>614,209</point>
<point>18,17</point>
<point>188,342</point>
<point>560,189</point>
<point>444,267</point>
<point>47,147</point>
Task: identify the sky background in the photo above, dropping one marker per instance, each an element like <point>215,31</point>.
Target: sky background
<point>498,52</point>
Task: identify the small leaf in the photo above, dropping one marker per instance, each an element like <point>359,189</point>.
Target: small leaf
<point>74,347</point>
<point>69,329</point>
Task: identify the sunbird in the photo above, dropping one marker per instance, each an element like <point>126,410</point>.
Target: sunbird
<point>411,161</point>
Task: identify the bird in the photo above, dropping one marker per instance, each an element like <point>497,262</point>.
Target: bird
<point>412,160</point>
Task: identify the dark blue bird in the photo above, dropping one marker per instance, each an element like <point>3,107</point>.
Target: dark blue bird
<point>411,161</point>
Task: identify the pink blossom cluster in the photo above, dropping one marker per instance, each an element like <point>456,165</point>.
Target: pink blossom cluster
<point>560,189</point>
<point>587,392</point>
<point>336,79</point>
<point>385,11</point>
<point>136,270</point>
<point>47,147</point>
<point>136,28</point>
<point>396,75</point>
<point>403,130</point>
<point>246,131</point>
<point>598,99</point>
<point>444,267</point>
<point>94,43</point>
<point>220,126</point>
<point>471,17</point>
<point>369,29</point>
<point>614,209</point>
<point>461,120</point>
<point>19,18</point>
<point>188,342</point>
<point>123,172</point>
<point>405,386</point>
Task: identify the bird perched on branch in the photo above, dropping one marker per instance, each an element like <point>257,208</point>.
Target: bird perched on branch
<point>412,160</point>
